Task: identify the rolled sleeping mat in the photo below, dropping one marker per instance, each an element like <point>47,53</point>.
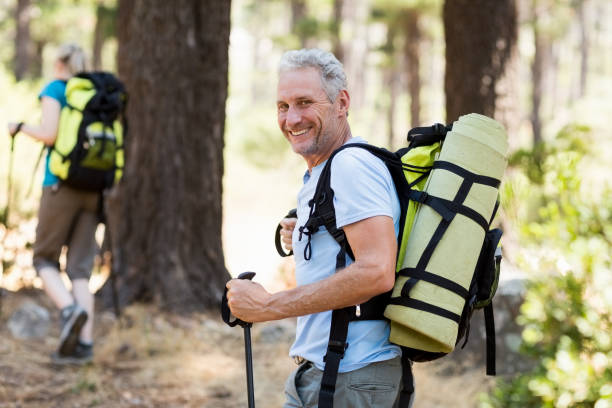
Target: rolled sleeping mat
<point>478,144</point>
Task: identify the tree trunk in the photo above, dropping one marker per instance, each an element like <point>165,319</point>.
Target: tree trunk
<point>480,40</point>
<point>22,39</point>
<point>584,47</point>
<point>336,30</point>
<point>412,43</point>
<point>537,77</point>
<point>356,50</point>
<point>166,213</point>
<point>36,60</point>
<point>298,14</point>
<point>96,59</point>
<point>391,83</point>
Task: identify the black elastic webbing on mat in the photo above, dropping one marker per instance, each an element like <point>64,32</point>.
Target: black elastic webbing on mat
<point>436,280</point>
<point>466,174</point>
<point>426,307</point>
<point>405,299</point>
<point>490,333</point>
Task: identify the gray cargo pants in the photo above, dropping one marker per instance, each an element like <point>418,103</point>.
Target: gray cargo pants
<point>376,385</point>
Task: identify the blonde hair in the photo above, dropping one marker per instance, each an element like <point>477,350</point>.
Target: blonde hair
<point>72,56</point>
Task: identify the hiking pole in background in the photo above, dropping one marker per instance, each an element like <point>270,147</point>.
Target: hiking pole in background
<point>5,214</point>
<point>9,184</point>
<point>112,270</point>
<point>225,315</point>
<point>30,187</point>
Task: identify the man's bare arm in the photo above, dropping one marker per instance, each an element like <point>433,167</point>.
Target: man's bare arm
<point>374,245</point>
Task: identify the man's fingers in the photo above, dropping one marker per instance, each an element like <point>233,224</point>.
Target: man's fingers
<point>288,223</point>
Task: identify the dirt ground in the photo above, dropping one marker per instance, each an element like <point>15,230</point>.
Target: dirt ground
<point>153,359</point>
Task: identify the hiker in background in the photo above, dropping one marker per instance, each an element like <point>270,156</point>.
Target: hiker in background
<point>312,108</point>
<point>66,217</point>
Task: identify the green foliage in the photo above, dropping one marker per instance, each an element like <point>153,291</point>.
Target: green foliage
<point>572,138</point>
<point>567,313</point>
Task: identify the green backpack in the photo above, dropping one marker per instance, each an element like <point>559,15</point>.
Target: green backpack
<point>411,169</point>
<point>88,153</point>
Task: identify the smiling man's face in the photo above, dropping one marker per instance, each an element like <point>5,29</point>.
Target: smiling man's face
<point>307,118</point>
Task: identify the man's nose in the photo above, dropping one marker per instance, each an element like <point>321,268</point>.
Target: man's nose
<point>293,116</point>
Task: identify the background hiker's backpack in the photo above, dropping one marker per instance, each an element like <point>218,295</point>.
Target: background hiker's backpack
<point>88,151</point>
<point>410,169</point>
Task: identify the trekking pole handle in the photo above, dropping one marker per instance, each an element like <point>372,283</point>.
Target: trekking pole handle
<point>225,310</point>
<point>16,130</point>
<point>277,238</point>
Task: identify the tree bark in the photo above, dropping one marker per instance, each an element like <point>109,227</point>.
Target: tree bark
<point>98,42</point>
<point>298,14</point>
<point>412,43</point>
<point>480,40</point>
<point>356,51</point>
<point>166,213</point>
<point>584,47</point>
<point>337,47</point>
<point>22,39</point>
<point>36,60</point>
<point>537,77</point>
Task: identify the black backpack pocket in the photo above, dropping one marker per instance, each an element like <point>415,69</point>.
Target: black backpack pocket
<point>486,276</point>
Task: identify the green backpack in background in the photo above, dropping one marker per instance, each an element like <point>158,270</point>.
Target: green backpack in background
<point>88,153</point>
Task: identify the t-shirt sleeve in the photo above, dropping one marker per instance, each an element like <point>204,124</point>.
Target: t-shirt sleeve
<point>362,186</point>
<point>54,90</point>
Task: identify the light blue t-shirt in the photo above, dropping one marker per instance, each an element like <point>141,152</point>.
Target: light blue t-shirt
<point>363,188</point>
<point>55,89</point>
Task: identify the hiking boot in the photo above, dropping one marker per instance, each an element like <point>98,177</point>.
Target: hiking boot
<point>72,319</point>
<point>82,354</point>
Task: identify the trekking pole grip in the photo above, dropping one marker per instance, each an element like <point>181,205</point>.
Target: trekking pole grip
<point>17,130</point>
<point>225,311</point>
<point>277,238</point>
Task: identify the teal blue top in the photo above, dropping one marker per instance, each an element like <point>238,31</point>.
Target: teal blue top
<point>55,89</point>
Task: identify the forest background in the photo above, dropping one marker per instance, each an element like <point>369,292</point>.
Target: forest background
<point>549,82</point>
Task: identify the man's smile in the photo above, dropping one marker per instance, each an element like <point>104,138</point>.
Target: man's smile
<point>298,132</point>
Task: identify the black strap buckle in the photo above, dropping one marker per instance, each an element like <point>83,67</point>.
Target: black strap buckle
<point>337,347</point>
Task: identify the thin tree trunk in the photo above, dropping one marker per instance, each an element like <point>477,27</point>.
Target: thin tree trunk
<point>98,42</point>
<point>298,13</point>
<point>173,58</point>
<point>537,78</point>
<point>22,39</point>
<point>584,47</point>
<point>412,43</point>
<point>337,29</point>
<point>356,50</point>
<point>36,60</point>
<point>391,81</point>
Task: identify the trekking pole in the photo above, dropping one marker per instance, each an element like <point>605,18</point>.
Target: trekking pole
<point>225,315</point>
<point>9,184</point>
<point>31,186</point>
<point>112,272</point>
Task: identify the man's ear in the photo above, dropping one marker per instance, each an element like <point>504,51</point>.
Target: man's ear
<point>344,102</point>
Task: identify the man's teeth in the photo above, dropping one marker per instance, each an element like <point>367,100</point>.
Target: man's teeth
<point>299,132</point>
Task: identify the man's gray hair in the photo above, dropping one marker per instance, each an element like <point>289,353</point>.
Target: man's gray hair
<point>333,78</point>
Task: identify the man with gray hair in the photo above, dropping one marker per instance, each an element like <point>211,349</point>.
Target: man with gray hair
<point>364,369</point>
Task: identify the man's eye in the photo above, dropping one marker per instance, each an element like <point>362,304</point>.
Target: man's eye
<point>303,103</point>
<point>283,108</point>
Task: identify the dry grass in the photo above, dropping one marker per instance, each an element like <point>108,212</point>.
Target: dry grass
<point>148,359</point>
<point>154,359</point>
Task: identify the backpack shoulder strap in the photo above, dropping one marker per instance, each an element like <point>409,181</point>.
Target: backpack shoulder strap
<point>322,213</point>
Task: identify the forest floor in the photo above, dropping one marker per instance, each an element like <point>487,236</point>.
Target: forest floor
<point>150,358</point>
